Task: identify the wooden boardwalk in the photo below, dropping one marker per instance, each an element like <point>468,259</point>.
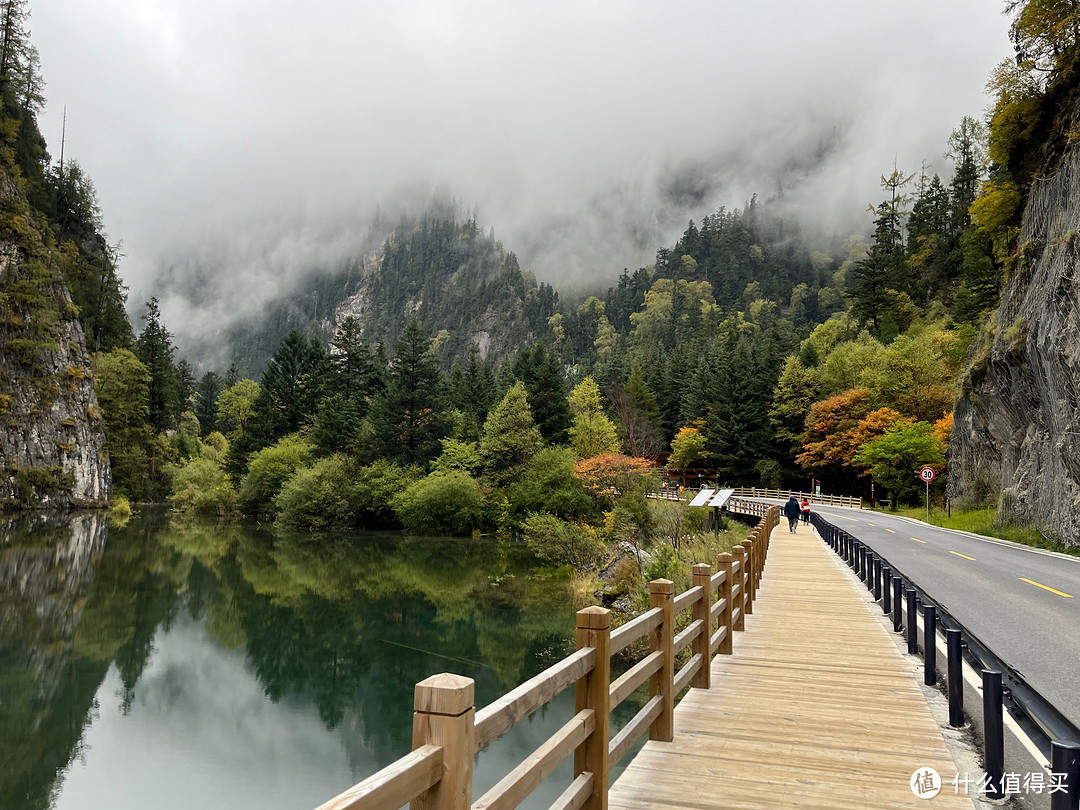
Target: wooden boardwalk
<point>817,708</point>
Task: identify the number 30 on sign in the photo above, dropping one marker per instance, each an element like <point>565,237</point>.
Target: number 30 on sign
<point>927,474</point>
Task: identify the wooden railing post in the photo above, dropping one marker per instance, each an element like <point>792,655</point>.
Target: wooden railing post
<point>662,595</point>
<point>594,630</point>
<point>443,715</point>
<point>748,580</point>
<point>740,579</point>
<point>701,610</point>
<point>723,563</point>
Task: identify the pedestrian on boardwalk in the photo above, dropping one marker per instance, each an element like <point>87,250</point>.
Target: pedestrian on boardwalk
<point>806,511</point>
<point>792,510</point>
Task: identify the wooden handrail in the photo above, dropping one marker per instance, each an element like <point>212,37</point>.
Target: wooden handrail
<point>634,677</point>
<point>503,714</point>
<point>513,789</point>
<point>689,635</point>
<point>687,598</point>
<point>448,731</point>
<point>395,784</point>
<point>630,632</point>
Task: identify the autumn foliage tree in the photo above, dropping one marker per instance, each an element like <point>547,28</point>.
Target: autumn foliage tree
<point>612,473</point>
<point>830,440</point>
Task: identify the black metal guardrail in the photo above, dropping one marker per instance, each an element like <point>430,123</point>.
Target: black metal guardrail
<point>1054,734</point>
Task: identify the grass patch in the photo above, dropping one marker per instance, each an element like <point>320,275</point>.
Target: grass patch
<point>981,521</point>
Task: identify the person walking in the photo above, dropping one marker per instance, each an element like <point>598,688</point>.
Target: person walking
<point>792,510</point>
<point>806,511</point>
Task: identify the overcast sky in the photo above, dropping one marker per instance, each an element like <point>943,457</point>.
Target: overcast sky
<point>254,137</point>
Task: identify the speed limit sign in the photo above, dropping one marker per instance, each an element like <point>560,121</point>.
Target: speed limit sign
<point>927,474</point>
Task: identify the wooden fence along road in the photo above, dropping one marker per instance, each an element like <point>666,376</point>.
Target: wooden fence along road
<point>791,719</point>
<point>671,494</point>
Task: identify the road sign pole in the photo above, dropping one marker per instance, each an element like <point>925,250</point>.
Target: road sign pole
<point>927,501</point>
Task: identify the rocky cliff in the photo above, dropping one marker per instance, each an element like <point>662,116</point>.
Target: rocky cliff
<point>1017,418</point>
<point>52,441</point>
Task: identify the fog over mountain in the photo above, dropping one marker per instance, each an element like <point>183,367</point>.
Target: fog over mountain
<point>237,145</point>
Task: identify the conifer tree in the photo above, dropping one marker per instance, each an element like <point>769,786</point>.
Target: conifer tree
<point>353,365</point>
<point>206,394</point>
<point>408,417</point>
<point>510,437</point>
<point>154,348</point>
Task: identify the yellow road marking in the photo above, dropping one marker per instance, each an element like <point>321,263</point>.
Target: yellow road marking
<point>872,524</point>
<point>965,556</point>
<point>1045,588</point>
<point>917,540</point>
<point>891,530</point>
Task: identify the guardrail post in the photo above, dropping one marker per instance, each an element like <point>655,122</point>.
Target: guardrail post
<point>748,580</point>
<point>956,678</point>
<point>443,714</point>
<point>740,600</point>
<point>912,626</point>
<point>1065,760</point>
<point>870,568</point>
<point>877,578</point>
<point>592,692</point>
<point>701,610</point>
<point>662,595</point>
<point>994,732</point>
<point>886,590</point>
<point>897,604</point>
<point>929,645</point>
<point>723,563</point>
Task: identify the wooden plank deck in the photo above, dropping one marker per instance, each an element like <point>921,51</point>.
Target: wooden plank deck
<point>817,708</point>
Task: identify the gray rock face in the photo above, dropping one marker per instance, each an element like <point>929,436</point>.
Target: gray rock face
<point>52,441</point>
<point>1017,419</point>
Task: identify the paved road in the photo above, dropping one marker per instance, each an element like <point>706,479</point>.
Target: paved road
<point>1024,603</point>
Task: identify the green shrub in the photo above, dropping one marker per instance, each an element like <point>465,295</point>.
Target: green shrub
<point>374,488</point>
<point>319,497</point>
<point>441,503</point>
<point>270,469</point>
<point>202,487</point>
<point>119,512</point>
<point>548,485</point>
<point>558,541</point>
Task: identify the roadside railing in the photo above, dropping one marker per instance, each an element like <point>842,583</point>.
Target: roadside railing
<point>673,494</point>
<point>1002,685</point>
<point>448,731</point>
<point>784,494</point>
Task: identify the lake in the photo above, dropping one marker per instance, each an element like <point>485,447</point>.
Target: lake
<point>198,665</point>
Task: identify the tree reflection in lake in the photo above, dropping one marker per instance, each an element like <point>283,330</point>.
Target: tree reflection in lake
<point>224,665</point>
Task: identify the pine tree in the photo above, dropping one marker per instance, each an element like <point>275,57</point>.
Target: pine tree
<point>352,364</point>
<point>206,393</point>
<point>408,417</point>
<point>510,437</point>
<point>155,349</point>
<point>290,389</point>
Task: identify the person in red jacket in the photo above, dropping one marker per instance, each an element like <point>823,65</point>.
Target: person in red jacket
<point>806,511</point>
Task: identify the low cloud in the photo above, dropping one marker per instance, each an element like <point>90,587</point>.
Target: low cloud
<point>238,145</point>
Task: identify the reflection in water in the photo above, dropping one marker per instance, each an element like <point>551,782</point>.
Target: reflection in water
<point>223,666</point>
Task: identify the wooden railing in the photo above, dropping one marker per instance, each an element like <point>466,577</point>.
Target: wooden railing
<point>784,494</point>
<point>448,731</point>
<point>673,494</point>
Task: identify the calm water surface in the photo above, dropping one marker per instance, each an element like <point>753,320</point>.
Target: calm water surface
<point>206,666</point>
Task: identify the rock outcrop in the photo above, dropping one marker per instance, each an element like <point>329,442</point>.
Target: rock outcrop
<point>1016,436</point>
<point>52,441</point>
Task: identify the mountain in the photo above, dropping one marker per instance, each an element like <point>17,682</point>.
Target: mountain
<point>460,283</point>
